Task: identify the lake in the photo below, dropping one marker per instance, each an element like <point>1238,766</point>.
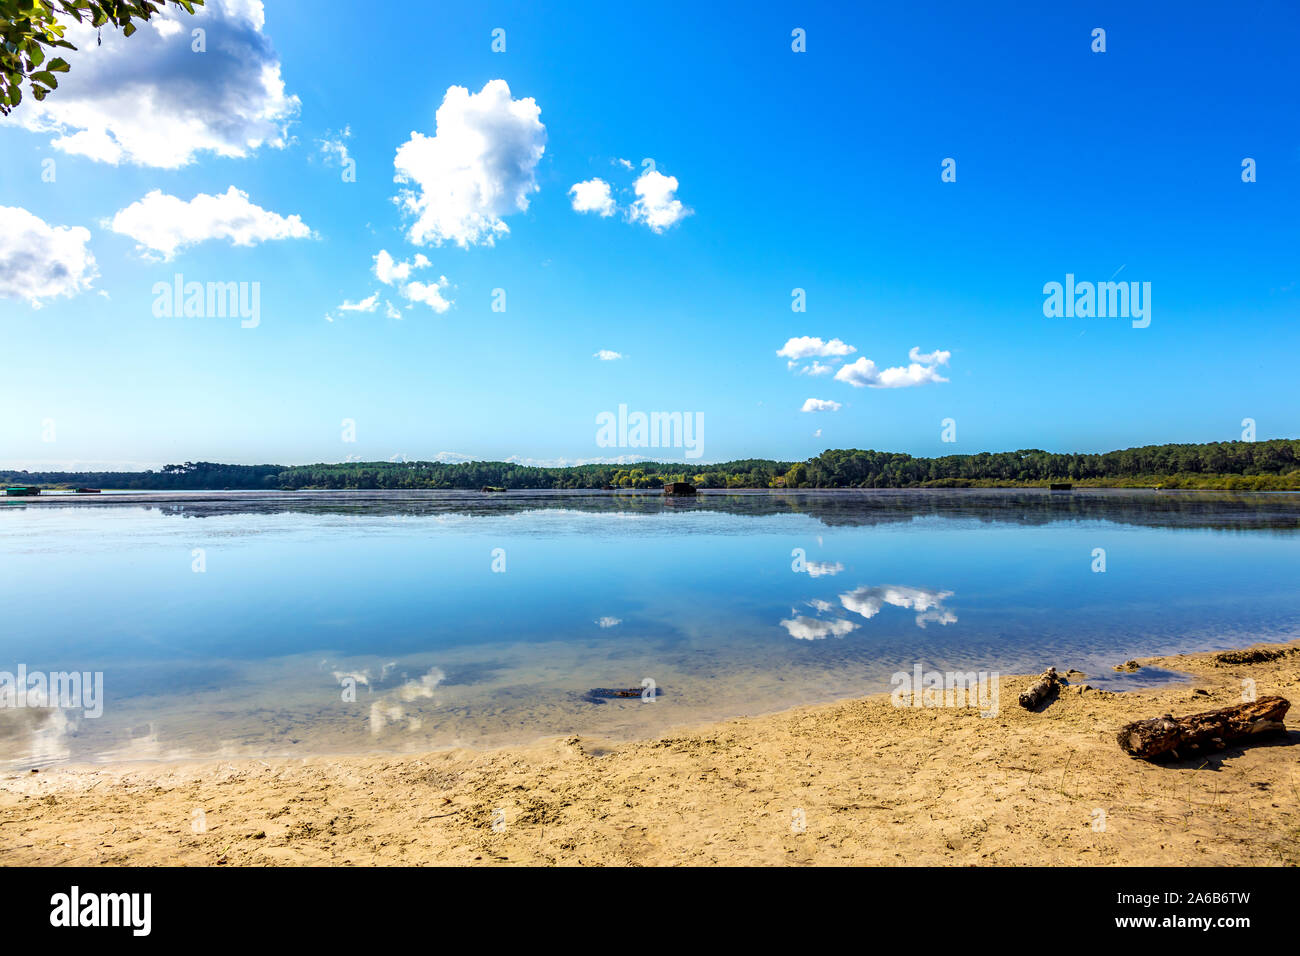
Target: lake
<point>242,624</point>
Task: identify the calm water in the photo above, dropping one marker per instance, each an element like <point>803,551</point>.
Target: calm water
<point>234,623</point>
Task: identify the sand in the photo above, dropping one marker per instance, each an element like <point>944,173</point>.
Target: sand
<point>854,782</point>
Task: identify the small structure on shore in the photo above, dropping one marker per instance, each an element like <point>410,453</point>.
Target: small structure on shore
<point>491,488</point>
<point>1061,486</point>
<point>88,491</point>
<point>679,488</point>
<point>15,491</point>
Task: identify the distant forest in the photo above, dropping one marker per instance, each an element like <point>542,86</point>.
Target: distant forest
<point>1264,465</point>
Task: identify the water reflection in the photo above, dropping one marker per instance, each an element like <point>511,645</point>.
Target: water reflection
<point>927,603</point>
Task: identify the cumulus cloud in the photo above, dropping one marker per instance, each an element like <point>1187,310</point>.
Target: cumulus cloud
<point>808,346</point>
<point>656,205</point>
<point>927,602</point>
<point>820,405</point>
<point>152,100</point>
<point>593,196</point>
<point>398,274</point>
<point>388,270</point>
<point>39,261</point>
<point>812,629</point>
<point>479,166</point>
<point>430,293</point>
<point>923,370</point>
<point>163,225</point>
<point>607,355</point>
<point>607,622</point>
<point>816,368</point>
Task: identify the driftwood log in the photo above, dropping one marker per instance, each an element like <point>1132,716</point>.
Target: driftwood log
<point>1041,689</point>
<point>1167,734</point>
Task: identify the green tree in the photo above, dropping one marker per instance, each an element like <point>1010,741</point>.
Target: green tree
<point>31,28</point>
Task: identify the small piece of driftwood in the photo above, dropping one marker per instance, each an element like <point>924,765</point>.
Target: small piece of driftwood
<point>1041,689</point>
<point>1169,734</point>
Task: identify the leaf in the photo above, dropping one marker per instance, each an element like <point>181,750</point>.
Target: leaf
<point>58,65</point>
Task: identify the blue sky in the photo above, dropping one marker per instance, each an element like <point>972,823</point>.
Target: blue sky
<point>817,170</point>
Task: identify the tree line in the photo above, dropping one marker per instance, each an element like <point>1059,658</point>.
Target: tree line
<point>1262,465</point>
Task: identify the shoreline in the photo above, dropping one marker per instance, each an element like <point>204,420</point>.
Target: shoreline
<point>868,783</point>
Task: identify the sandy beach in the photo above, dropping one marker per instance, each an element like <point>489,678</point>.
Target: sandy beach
<point>854,782</point>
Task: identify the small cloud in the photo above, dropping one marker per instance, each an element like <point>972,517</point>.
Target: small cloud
<point>807,346</point>
<point>820,405</point>
<point>812,629</point>
<point>607,355</point>
<point>656,204</point>
<point>39,261</point>
<point>605,622</point>
<point>822,569</point>
<point>937,357</point>
<point>393,273</point>
<point>335,148</point>
<point>164,225</point>
<point>593,196</point>
<point>864,373</point>
<point>365,305</point>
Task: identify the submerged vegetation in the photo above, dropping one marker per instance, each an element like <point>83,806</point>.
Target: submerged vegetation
<point>1237,466</point>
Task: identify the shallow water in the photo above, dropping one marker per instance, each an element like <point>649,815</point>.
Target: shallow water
<point>235,623</point>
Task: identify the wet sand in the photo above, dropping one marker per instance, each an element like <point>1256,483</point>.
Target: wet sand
<point>854,782</point>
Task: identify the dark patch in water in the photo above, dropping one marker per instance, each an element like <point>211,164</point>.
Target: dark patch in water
<point>1137,680</point>
<point>598,695</point>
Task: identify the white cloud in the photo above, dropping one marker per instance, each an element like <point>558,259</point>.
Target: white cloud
<point>479,166</point>
<point>816,368</point>
<point>606,622</point>
<point>923,370</point>
<point>150,99</point>
<point>818,569</point>
<point>39,261</point>
<point>820,405</point>
<point>655,204</point>
<point>807,346</point>
<point>368,304</point>
<point>335,149</point>
<point>430,293</point>
<point>593,196</point>
<point>391,272</point>
<point>606,355</point>
<point>165,224</point>
<point>927,602</point>
<point>937,357</point>
<point>811,629</point>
